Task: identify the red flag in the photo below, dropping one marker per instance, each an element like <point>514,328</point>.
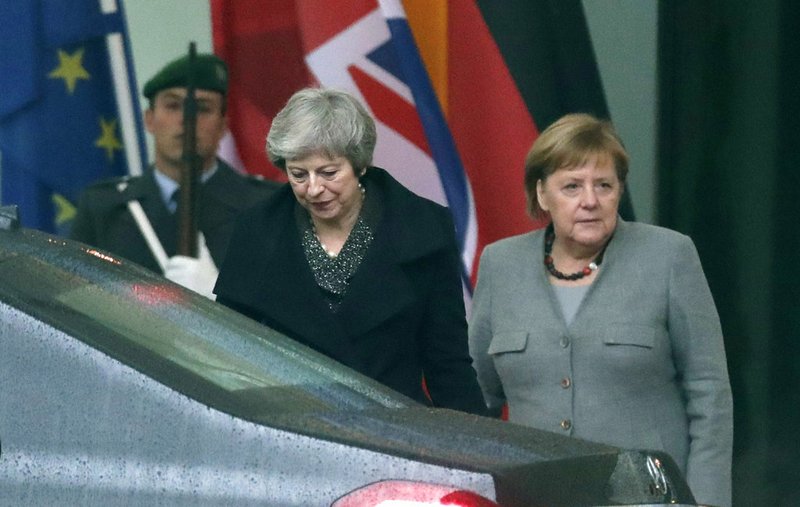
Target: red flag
<point>261,43</point>
<point>491,125</point>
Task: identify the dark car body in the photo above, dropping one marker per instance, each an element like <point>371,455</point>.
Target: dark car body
<point>118,387</point>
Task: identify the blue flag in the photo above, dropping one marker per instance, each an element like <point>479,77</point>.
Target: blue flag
<point>67,114</point>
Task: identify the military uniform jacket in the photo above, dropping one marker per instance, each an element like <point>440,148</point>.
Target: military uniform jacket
<point>103,219</point>
<point>642,365</point>
<point>403,313</point>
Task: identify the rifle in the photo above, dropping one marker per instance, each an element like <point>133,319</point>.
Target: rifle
<point>189,202</point>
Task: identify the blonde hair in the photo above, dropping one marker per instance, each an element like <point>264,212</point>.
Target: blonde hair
<point>570,142</point>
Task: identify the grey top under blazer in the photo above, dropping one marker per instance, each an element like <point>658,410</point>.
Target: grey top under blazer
<point>642,364</point>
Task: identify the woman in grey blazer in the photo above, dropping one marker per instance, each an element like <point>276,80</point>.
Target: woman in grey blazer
<point>601,329</point>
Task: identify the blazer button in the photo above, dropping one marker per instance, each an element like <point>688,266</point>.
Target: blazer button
<point>564,341</point>
<point>566,424</point>
<point>566,382</point>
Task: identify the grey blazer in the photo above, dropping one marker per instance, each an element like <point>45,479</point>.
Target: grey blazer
<point>642,365</point>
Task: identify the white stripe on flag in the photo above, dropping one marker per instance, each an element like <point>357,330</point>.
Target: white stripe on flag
<point>119,70</point>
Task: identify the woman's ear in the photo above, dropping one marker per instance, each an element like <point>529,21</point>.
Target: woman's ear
<point>540,195</point>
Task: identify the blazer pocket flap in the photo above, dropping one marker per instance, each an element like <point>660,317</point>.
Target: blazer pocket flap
<point>514,341</point>
<point>629,334</point>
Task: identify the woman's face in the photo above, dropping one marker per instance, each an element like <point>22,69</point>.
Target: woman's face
<point>327,188</point>
<point>582,202</point>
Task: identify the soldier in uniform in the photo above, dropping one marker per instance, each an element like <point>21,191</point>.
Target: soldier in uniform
<point>107,216</point>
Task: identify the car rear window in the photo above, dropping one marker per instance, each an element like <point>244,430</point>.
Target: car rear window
<point>180,338</point>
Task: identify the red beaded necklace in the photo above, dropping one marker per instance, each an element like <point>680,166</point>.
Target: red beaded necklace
<point>549,238</point>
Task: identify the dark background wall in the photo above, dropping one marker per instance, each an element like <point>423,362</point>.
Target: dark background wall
<point>727,164</point>
<point>624,38</point>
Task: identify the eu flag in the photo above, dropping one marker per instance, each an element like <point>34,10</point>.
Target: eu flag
<point>66,108</point>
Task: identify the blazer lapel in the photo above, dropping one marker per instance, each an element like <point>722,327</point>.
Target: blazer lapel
<point>301,306</point>
<point>379,289</point>
<point>608,276</point>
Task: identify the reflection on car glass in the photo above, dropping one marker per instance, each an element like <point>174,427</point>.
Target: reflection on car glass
<point>226,354</point>
<point>178,343</point>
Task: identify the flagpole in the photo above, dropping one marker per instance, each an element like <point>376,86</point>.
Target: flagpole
<point>124,96</point>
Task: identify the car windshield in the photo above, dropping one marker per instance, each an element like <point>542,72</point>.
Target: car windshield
<point>180,338</point>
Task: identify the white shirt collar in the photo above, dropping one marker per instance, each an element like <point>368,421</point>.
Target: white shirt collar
<point>167,186</point>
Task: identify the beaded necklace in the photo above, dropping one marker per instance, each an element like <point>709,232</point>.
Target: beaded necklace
<point>334,272</point>
<point>549,238</point>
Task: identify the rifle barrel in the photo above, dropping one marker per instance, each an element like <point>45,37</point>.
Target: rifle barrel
<point>189,202</point>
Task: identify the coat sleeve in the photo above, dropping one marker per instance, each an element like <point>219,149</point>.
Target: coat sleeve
<point>699,354</point>
<point>236,271</point>
<point>447,366</point>
<point>480,336</point>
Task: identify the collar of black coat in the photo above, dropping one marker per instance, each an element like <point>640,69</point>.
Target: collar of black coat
<point>412,224</point>
<point>265,257</point>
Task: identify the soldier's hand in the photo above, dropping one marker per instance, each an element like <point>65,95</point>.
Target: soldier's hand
<point>198,274</point>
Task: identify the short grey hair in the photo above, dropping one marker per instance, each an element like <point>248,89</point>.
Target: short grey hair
<point>322,121</point>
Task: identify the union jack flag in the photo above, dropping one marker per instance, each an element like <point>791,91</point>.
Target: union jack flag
<point>376,59</point>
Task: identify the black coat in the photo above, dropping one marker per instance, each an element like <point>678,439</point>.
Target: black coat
<point>403,314</point>
<point>103,219</point>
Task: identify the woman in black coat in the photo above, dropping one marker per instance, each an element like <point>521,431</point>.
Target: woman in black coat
<point>348,261</point>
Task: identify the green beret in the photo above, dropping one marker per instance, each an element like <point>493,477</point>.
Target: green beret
<point>210,73</point>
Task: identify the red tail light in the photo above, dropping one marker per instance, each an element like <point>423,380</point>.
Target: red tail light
<point>411,494</point>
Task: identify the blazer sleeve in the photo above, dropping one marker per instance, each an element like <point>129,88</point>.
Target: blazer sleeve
<point>449,375</point>
<point>699,355</point>
<point>480,336</point>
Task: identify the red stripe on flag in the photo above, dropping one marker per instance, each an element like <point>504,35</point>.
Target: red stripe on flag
<point>261,43</point>
<point>390,108</point>
<point>320,21</point>
<point>491,126</point>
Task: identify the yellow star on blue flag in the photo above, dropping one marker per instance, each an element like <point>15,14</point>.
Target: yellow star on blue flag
<point>108,139</point>
<point>65,210</point>
<point>70,69</point>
